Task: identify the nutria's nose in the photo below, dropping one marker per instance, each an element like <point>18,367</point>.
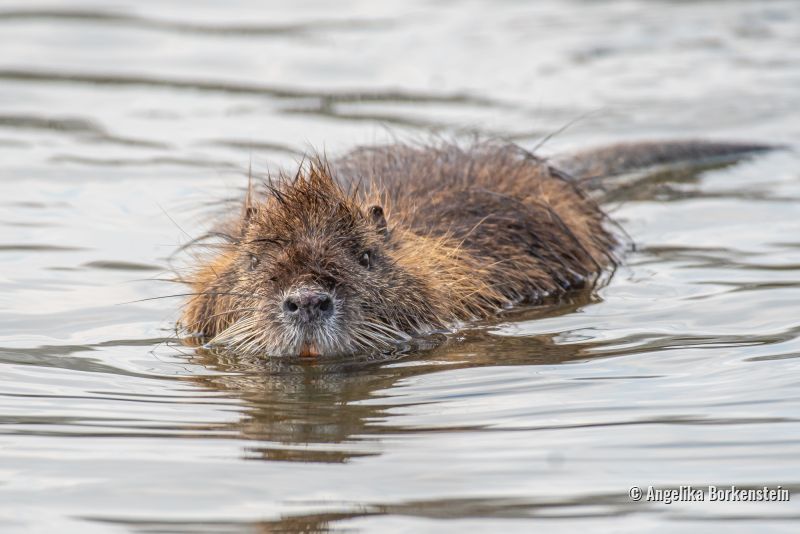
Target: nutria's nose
<point>308,305</point>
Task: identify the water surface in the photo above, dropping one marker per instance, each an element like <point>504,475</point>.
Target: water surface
<point>123,130</point>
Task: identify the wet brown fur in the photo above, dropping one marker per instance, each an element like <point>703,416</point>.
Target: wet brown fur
<point>464,233</point>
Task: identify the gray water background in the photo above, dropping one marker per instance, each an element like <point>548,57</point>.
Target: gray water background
<point>123,126</point>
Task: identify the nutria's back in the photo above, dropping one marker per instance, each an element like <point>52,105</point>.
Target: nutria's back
<point>536,231</point>
<point>391,242</point>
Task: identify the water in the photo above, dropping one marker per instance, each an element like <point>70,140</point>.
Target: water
<point>123,129</point>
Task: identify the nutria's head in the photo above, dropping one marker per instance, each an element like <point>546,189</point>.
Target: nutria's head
<point>313,271</point>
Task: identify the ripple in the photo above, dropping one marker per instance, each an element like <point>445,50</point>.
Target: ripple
<point>30,247</point>
<point>145,162</point>
<point>253,145</point>
<point>121,266</point>
<point>332,514</point>
<point>86,128</point>
<point>297,29</point>
<point>242,88</point>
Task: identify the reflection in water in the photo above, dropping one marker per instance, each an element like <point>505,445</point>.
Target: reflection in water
<point>302,408</point>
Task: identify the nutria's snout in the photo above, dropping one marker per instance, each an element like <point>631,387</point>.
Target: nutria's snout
<point>308,306</point>
<point>309,320</point>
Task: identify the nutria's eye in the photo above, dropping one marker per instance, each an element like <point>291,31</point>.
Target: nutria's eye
<point>253,262</point>
<point>365,260</point>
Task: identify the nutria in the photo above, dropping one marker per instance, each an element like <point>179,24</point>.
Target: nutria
<point>368,251</point>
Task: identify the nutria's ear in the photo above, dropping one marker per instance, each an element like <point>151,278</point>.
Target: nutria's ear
<point>377,218</point>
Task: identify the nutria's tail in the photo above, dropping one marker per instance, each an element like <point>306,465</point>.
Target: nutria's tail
<point>625,158</point>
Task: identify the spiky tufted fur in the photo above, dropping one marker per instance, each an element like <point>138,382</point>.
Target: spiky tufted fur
<point>451,234</point>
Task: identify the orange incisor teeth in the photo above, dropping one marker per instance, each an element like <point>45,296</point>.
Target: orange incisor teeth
<point>309,350</point>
